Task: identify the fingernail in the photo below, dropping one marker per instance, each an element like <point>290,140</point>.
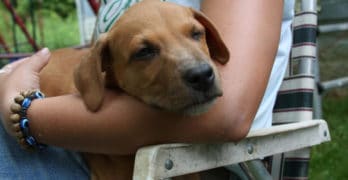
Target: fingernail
<point>44,51</point>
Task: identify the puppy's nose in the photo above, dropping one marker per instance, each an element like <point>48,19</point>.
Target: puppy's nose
<point>200,78</point>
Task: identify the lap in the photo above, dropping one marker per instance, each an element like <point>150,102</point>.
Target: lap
<point>50,163</point>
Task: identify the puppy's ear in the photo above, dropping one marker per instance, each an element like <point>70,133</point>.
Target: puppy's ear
<point>89,76</point>
<point>217,48</point>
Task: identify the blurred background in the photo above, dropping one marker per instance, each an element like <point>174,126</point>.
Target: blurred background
<point>27,25</point>
<point>328,161</point>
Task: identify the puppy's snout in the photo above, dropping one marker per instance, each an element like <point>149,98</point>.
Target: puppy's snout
<point>200,78</point>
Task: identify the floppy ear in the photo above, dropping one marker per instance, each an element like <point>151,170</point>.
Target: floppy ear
<point>89,77</point>
<point>217,48</point>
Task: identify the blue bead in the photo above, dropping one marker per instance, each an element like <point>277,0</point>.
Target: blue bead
<point>26,103</point>
<point>24,122</point>
<point>30,140</point>
<point>39,95</point>
<point>24,125</point>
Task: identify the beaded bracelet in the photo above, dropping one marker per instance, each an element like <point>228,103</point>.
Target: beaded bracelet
<point>20,121</point>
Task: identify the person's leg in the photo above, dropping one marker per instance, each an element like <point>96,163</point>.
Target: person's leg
<point>50,163</point>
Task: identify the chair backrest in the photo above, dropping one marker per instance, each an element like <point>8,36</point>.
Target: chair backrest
<point>295,98</point>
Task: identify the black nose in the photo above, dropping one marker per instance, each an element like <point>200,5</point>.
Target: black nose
<point>200,78</point>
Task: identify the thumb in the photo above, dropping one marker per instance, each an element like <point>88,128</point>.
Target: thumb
<point>39,59</point>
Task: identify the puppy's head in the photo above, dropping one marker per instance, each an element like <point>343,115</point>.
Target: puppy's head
<point>159,52</point>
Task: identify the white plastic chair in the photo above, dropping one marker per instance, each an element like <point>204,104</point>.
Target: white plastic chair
<point>294,129</point>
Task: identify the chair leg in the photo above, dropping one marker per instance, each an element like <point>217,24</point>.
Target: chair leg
<point>237,172</point>
<point>256,170</point>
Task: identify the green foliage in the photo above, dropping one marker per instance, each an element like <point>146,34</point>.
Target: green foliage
<point>61,33</point>
<point>62,8</point>
<point>59,22</point>
<point>329,161</point>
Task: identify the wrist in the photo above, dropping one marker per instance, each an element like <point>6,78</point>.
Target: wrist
<point>19,121</point>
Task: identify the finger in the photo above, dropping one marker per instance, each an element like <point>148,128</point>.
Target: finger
<point>39,60</point>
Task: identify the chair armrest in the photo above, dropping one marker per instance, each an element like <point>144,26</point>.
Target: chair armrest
<point>170,160</point>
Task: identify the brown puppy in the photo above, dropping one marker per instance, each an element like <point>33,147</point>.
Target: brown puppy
<point>159,52</point>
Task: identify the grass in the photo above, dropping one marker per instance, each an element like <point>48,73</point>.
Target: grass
<point>329,161</point>
<point>57,32</point>
<point>61,33</point>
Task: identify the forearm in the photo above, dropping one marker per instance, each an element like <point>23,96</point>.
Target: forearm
<point>121,126</point>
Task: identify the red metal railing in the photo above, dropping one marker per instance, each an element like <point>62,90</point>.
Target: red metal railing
<point>19,21</point>
<point>94,5</point>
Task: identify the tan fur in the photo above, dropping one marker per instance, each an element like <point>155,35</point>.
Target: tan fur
<point>156,81</point>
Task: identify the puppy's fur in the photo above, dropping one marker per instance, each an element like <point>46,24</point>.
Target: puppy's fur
<point>160,53</point>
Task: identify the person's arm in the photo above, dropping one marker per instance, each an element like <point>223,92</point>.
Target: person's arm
<point>251,30</point>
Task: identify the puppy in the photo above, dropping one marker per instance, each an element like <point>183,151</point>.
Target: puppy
<point>158,52</point>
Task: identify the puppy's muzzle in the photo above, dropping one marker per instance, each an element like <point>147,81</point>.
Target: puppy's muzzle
<point>200,78</point>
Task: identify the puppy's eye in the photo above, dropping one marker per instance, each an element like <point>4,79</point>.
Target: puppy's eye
<point>145,53</point>
<point>197,34</point>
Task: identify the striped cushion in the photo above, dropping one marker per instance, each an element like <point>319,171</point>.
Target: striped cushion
<point>295,97</point>
<point>296,164</point>
<point>304,27</point>
<point>295,100</point>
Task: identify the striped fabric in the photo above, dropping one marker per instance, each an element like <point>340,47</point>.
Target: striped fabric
<point>295,98</point>
<point>296,164</point>
<point>304,29</point>
<point>110,11</point>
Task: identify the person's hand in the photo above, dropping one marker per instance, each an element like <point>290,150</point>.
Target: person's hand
<point>19,76</point>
